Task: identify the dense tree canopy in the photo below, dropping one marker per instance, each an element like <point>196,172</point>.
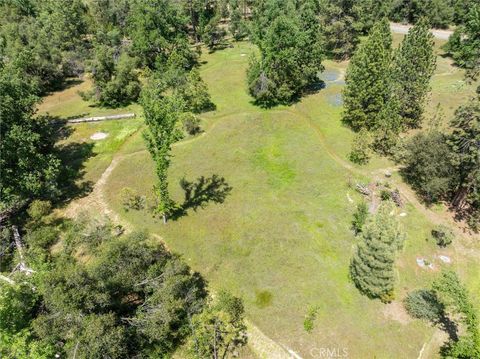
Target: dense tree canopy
<point>105,294</point>
<point>290,52</point>
<point>28,165</point>
<point>464,44</point>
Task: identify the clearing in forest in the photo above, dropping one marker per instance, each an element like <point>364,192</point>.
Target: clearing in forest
<point>281,239</point>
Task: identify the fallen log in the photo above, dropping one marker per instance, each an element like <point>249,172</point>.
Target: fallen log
<point>102,118</point>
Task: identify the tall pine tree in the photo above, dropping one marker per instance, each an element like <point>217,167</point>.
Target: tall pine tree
<point>465,144</point>
<point>372,266</point>
<point>368,80</point>
<point>414,65</point>
<point>339,28</point>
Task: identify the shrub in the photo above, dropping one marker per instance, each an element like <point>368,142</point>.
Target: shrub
<point>308,323</point>
<point>360,153</point>
<point>385,195</point>
<point>424,304</point>
<point>191,124</point>
<point>360,217</point>
<point>442,235</point>
<point>131,199</point>
<point>39,209</point>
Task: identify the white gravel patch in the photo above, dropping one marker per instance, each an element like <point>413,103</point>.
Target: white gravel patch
<point>445,259</point>
<point>99,136</point>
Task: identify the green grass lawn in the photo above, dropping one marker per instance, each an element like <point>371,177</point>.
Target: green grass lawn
<point>69,104</point>
<point>282,238</point>
<point>100,152</point>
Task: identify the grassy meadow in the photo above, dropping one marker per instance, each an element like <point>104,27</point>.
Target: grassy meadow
<point>282,237</point>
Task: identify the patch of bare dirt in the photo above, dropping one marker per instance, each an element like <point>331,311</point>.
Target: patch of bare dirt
<point>396,311</point>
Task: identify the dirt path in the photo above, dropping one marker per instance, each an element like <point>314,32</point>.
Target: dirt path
<point>261,345</point>
<point>437,33</point>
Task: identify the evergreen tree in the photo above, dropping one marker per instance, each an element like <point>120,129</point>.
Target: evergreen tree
<point>194,92</point>
<point>368,12</point>
<point>439,13</point>
<point>290,54</point>
<point>338,28</point>
<point>115,81</point>
<point>464,44</point>
<point>465,147</point>
<point>368,80</point>
<point>360,152</point>
<point>158,30</point>
<point>372,266</point>
<point>237,26</point>
<point>414,64</point>
<point>213,34</point>
<point>388,126</point>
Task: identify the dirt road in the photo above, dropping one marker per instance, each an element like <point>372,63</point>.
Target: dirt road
<point>403,29</point>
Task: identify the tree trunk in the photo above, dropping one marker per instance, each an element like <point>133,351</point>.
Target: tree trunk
<point>460,197</point>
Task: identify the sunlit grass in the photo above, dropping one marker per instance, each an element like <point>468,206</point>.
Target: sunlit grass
<point>282,238</point>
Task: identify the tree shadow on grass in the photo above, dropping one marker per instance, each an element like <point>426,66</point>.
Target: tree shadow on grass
<point>448,326</point>
<point>200,192</point>
<point>73,157</point>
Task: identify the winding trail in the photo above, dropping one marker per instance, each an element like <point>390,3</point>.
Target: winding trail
<point>263,346</point>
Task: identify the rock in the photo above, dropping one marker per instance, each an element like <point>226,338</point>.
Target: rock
<point>99,136</point>
<point>445,259</point>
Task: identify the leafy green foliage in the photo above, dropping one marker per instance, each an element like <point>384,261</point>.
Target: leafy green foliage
<point>191,124</point>
<point>237,25</point>
<point>438,12</point>
<point>414,64</point>
<point>24,345</point>
<point>464,44</point>
<point>465,144</point>
<point>427,165</point>
<point>161,116</point>
<point>194,92</point>
<point>17,306</point>
<point>339,29</point>
<point>443,235</point>
<point>131,199</point>
<point>368,80</point>
<point>43,40</point>
<point>213,33</point>
<point>372,266</point>
<point>124,297</point>
<point>219,330</point>
<point>116,82</point>
<point>28,165</point>
<point>158,30</point>
<point>360,217</point>
<point>309,322</point>
<point>290,53</point>
<point>360,152</point>
<point>455,297</point>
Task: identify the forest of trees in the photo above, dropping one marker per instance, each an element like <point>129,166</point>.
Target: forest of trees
<point>84,289</point>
